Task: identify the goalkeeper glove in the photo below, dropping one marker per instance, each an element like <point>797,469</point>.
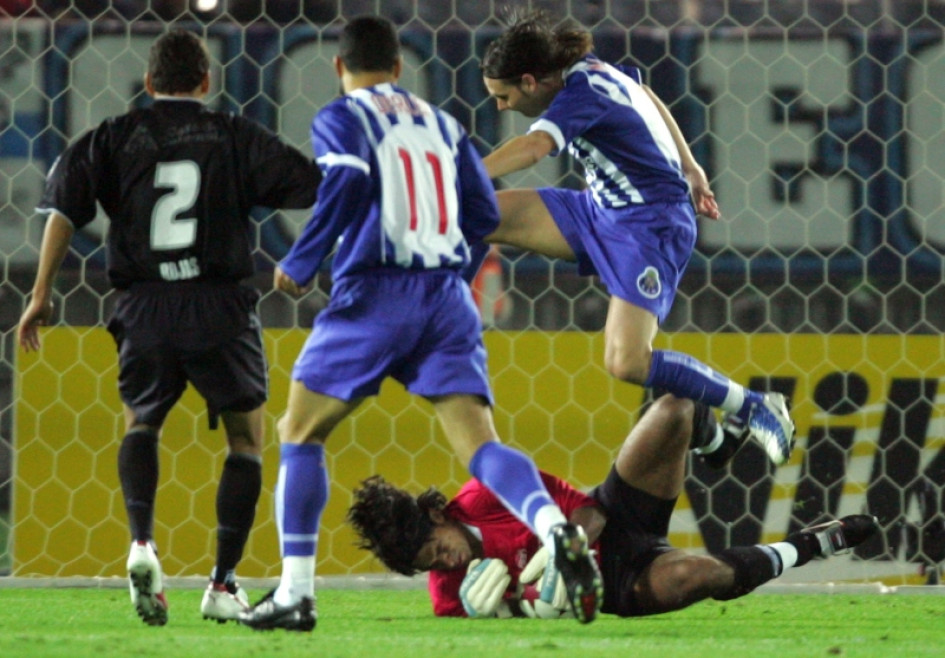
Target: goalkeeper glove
<point>552,599</point>
<point>484,586</point>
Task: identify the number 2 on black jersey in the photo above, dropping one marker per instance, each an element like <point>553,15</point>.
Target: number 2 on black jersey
<point>168,229</point>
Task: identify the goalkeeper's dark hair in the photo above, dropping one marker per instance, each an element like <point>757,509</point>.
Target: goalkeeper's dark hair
<point>393,524</point>
<point>531,44</point>
<point>178,61</point>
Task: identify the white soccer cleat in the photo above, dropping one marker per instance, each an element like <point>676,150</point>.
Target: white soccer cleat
<point>221,605</point>
<point>146,584</point>
<point>771,426</point>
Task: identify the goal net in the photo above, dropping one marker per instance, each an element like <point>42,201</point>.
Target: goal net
<point>822,127</point>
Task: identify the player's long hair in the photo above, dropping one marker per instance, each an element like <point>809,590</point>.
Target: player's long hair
<point>532,45</point>
<point>391,523</point>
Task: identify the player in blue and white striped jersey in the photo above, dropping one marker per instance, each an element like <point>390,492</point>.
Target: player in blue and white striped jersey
<point>404,193</point>
<point>634,225</point>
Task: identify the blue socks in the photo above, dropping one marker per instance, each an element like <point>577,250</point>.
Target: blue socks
<point>686,377</point>
<point>302,472</point>
<point>515,481</point>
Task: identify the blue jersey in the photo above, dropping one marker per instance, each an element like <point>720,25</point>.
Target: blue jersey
<point>610,124</point>
<point>403,188</point>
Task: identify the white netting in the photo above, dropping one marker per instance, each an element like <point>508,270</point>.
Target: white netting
<point>821,124</point>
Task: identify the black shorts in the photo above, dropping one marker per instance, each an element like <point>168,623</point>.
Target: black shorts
<point>635,534</point>
<point>206,333</point>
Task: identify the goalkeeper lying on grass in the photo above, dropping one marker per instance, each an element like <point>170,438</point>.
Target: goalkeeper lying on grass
<point>484,562</point>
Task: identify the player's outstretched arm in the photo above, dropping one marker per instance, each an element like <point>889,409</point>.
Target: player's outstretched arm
<point>702,196</point>
<point>56,238</point>
<point>519,153</point>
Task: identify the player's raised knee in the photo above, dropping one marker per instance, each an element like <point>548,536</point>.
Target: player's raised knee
<point>632,367</point>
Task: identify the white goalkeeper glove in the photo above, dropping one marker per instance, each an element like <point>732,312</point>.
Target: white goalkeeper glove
<point>552,601</point>
<point>484,586</point>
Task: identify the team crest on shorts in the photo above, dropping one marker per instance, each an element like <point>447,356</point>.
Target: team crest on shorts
<point>649,283</point>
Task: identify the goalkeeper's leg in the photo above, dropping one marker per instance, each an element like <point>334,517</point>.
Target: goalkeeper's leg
<point>676,579</point>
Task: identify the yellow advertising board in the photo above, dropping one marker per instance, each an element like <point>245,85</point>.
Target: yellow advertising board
<point>554,401</point>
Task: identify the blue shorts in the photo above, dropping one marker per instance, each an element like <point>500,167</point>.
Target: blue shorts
<point>639,252</point>
<point>421,328</point>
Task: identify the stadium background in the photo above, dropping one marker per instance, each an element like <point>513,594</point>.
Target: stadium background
<point>821,124</point>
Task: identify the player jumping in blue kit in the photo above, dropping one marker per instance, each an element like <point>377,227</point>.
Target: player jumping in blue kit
<point>634,225</point>
<point>403,195</point>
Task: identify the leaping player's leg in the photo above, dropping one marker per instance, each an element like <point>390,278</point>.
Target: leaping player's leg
<point>640,263</point>
<point>629,356</point>
<point>526,223</point>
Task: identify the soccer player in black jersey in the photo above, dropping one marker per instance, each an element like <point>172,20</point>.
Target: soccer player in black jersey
<point>177,181</point>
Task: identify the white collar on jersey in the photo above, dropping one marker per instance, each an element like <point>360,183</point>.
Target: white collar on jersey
<point>477,533</point>
<point>167,97</point>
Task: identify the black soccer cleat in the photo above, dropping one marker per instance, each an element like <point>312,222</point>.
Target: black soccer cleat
<point>735,433</point>
<point>578,569</point>
<point>267,615</point>
<point>839,536</point>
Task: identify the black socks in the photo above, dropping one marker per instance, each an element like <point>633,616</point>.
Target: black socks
<point>237,495</point>
<point>138,472</point>
<point>753,566</point>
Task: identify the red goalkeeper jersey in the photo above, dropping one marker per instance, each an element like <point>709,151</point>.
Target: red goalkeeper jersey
<point>503,536</point>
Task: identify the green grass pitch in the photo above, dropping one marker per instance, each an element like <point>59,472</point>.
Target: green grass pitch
<point>77,623</point>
